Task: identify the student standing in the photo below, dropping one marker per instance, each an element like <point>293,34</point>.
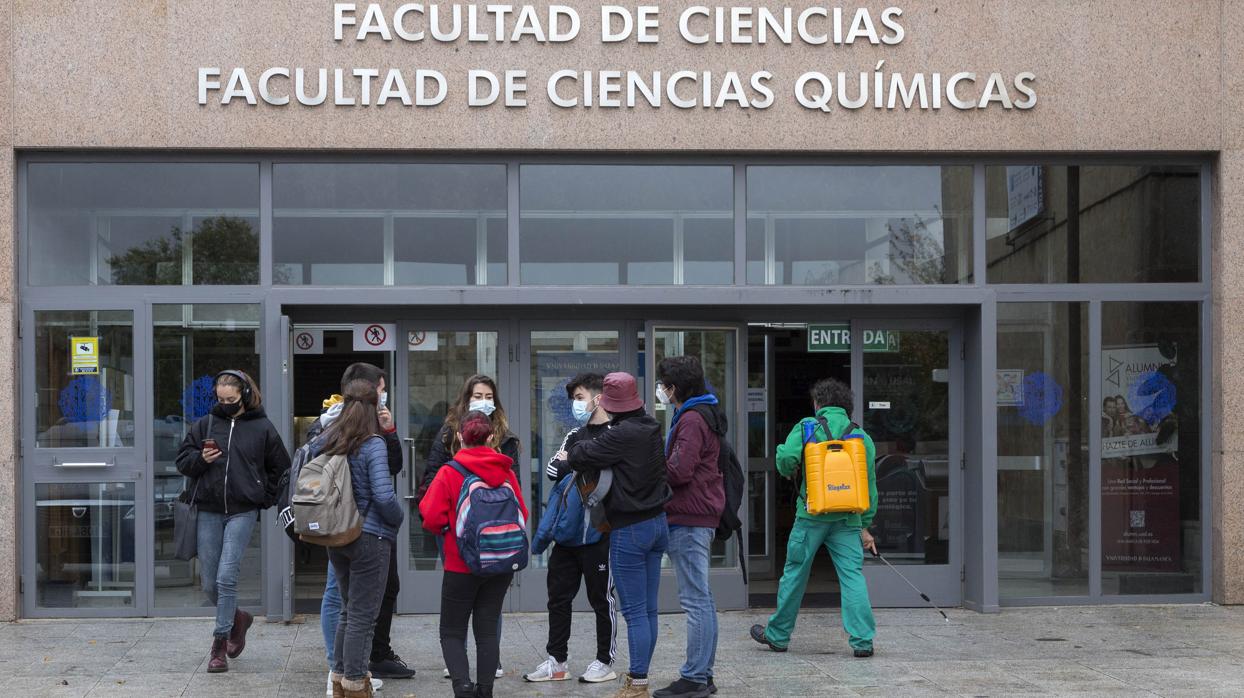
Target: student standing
<point>234,459</point>
<point>586,559</point>
<point>632,449</point>
<point>691,452</point>
<point>466,596</point>
<point>845,536</point>
<point>362,566</point>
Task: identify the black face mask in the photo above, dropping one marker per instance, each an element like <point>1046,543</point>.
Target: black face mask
<point>227,411</point>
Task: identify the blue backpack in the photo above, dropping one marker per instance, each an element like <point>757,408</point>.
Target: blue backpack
<point>490,526</point>
<point>565,521</point>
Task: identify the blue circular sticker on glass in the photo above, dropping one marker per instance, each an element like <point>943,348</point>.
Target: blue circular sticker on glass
<point>198,398</point>
<point>85,399</point>
<point>1151,397</point>
<point>1043,398</point>
<point>559,405</point>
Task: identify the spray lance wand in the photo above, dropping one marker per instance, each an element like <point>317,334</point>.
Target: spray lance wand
<point>913,586</point>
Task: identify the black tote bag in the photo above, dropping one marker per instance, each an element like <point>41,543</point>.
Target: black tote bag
<point>186,525</point>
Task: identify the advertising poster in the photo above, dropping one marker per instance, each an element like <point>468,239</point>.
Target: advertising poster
<point>1140,466</point>
<point>553,370</point>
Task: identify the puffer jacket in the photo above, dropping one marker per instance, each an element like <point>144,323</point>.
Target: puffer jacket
<point>246,476</point>
<point>373,487</point>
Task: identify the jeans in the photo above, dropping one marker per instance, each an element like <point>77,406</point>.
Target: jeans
<point>689,551</point>
<point>477,599</point>
<point>330,612</point>
<point>360,568</point>
<point>635,554</point>
<point>222,540</point>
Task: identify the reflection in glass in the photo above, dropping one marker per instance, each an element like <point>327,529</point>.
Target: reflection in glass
<point>556,357</point>
<point>143,223</point>
<point>80,402</point>
<point>84,545</point>
<point>438,368</point>
<point>385,224</point>
<point>907,413</point>
<point>1043,464</point>
<point>627,225</point>
<point>1151,448</point>
<point>823,226</point>
<point>192,343</point>
<point>718,355</point>
<point>1093,224</point>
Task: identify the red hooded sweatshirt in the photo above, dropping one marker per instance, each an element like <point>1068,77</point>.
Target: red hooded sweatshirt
<point>439,506</point>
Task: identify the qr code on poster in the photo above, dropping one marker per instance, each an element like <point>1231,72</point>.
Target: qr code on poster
<point>1137,518</point>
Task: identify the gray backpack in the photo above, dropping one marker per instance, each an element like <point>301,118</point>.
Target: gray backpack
<point>323,503</point>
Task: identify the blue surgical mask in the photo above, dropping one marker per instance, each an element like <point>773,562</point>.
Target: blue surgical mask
<point>485,406</point>
<point>581,411</point>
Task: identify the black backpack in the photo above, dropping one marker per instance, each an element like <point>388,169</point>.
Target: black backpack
<point>734,479</point>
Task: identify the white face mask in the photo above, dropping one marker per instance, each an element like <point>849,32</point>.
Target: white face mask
<point>662,396</point>
<point>485,406</point>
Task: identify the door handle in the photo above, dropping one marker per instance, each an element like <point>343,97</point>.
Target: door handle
<point>93,464</point>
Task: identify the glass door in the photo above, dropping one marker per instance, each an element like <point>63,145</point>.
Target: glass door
<point>84,544</point>
<point>721,352</point>
<point>908,388</point>
<point>434,363</point>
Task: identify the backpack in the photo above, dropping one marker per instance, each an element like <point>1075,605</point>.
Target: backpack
<point>287,487</point>
<point>489,526</point>
<point>835,471</point>
<point>323,503</point>
<point>565,520</point>
<point>734,480</point>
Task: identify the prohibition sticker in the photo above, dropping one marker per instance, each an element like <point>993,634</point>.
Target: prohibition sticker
<point>375,337</point>
<point>305,341</point>
<point>309,341</point>
<point>418,340</point>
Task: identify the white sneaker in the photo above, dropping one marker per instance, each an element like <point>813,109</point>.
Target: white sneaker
<point>376,684</point>
<point>598,672</point>
<point>550,670</point>
<point>329,692</point>
<point>500,671</point>
<point>446,674</point>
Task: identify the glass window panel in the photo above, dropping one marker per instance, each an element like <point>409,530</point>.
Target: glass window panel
<point>436,379</point>
<point>1043,463</point>
<point>84,545</point>
<point>627,225</point>
<point>840,225</point>
<point>80,403</point>
<point>1151,448</point>
<point>191,344</point>
<point>143,223</point>
<point>1093,224</point>
<point>373,224</point>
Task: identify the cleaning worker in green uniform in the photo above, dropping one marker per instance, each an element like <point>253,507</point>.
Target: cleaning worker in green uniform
<point>844,535</point>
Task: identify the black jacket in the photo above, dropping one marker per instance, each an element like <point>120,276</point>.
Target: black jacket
<point>440,454</point>
<point>633,448</point>
<point>557,469</point>
<point>246,475</point>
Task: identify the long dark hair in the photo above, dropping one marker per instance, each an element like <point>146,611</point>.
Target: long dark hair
<point>357,421</point>
<point>453,420</point>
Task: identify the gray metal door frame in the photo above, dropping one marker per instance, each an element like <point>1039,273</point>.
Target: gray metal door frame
<point>943,583</point>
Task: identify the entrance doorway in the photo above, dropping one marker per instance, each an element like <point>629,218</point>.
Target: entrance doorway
<point>907,380</point>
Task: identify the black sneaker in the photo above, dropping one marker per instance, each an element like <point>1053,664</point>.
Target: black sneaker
<point>712,687</point>
<point>863,654</point>
<point>391,667</point>
<point>683,688</point>
<point>758,634</point>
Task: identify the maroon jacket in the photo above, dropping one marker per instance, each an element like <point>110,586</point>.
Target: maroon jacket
<point>691,468</point>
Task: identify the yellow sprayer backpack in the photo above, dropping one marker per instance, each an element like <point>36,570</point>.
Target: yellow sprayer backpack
<point>836,471</point>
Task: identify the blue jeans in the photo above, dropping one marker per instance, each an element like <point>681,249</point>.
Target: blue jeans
<point>689,551</point>
<point>223,539</point>
<point>330,613</point>
<point>635,554</point>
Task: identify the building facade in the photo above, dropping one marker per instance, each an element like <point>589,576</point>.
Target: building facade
<point>1013,228</point>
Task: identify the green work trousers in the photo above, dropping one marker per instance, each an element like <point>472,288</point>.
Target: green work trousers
<point>843,543</point>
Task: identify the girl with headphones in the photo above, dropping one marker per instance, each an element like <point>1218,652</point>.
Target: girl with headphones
<point>234,459</point>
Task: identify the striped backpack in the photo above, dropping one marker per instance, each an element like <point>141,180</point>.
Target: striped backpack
<point>490,527</point>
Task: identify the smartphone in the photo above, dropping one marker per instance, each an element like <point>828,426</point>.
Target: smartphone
<point>210,444</point>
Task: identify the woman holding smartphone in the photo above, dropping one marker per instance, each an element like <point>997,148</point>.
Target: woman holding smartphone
<point>233,458</point>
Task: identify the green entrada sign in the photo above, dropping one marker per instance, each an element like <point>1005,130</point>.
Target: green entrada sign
<point>837,339</point>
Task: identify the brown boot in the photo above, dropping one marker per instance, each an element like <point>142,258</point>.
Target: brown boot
<point>338,691</point>
<point>216,663</point>
<point>357,689</point>
<point>237,636</point>
<point>631,690</point>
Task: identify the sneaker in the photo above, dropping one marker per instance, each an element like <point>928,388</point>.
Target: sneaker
<point>500,671</point>
<point>598,672</point>
<point>446,674</point>
<point>391,667</point>
<point>550,670</point>
<point>683,688</point>
<point>758,634</point>
<point>329,692</point>
<point>712,687</point>
<point>864,654</point>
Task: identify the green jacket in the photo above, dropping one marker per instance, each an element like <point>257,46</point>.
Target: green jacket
<point>790,457</point>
